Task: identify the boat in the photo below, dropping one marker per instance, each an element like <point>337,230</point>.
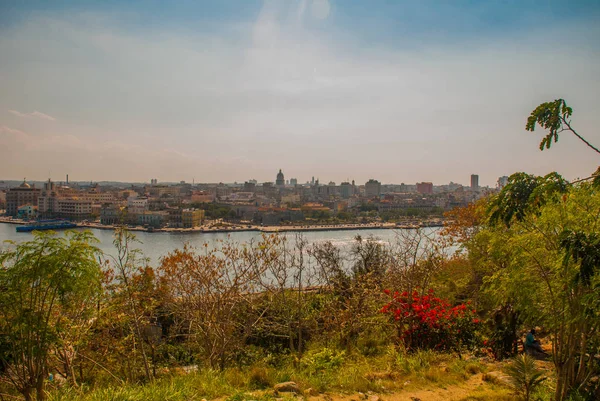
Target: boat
<point>55,224</point>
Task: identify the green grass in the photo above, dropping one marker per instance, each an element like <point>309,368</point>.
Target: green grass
<point>323,370</point>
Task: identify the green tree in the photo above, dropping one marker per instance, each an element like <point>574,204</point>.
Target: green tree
<point>545,263</point>
<point>39,280</point>
<point>554,117</point>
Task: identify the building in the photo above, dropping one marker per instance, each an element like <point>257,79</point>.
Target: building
<point>372,188</point>
<point>293,182</point>
<point>27,212</point>
<point>192,217</point>
<point>66,202</point>
<point>137,205</point>
<point>74,208</point>
<point>112,214</point>
<point>425,187</point>
<point>280,181</point>
<point>474,182</point>
<point>346,190</point>
<point>24,194</point>
<point>153,219</point>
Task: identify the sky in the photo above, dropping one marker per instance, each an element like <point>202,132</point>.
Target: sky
<point>224,91</point>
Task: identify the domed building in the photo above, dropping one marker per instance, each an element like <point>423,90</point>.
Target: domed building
<point>24,194</point>
<point>280,181</point>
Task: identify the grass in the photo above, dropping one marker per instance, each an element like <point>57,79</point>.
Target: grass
<point>324,371</point>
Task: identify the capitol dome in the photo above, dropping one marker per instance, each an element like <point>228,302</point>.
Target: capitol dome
<point>280,179</point>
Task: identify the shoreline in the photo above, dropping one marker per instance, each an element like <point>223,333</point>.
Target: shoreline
<point>263,229</point>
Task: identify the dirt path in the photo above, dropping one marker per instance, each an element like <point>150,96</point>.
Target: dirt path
<point>475,388</point>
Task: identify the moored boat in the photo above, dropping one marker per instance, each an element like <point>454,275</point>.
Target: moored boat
<point>56,224</point>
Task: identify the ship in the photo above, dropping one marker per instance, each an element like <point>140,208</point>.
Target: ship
<point>55,224</point>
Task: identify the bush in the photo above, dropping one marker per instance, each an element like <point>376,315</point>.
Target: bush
<point>324,360</point>
<point>428,322</point>
<point>524,376</point>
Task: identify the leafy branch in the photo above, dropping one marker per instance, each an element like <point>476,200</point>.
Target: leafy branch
<point>554,116</point>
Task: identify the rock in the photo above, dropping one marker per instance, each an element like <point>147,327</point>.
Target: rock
<point>374,398</point>
<point>496,378</point>
<point>290,387</point>
<point>362,396</point>
<point>311,392</point>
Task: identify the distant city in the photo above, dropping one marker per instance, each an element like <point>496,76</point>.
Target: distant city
<point>280,202</point>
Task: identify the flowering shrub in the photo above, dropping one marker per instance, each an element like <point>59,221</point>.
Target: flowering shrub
<point>428,322</point>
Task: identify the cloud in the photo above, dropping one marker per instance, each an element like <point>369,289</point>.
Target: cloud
<point>34,114</point>
<point>237,103</point>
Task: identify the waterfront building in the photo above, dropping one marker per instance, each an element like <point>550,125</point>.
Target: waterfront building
<point>74,208</point>
<point>112,214</point>
<point>192,217</point>
<point>27,212</point>
<point>425,187</point>
<point>55,201</point>
<point>152,218</point>
<point>24,194</point>
<point>372,188</point>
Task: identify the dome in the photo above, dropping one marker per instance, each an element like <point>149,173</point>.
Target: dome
<point>24,185</point>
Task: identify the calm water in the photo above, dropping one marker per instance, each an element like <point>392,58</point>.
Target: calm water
<point>156,245</point>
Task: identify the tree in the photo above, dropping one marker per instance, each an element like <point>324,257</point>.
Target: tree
<point>40,280</point>
<point>546,264</point>
<point>555,117</point>
<point>128,266</point>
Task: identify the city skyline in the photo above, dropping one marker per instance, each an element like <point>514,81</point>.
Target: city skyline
<point>287,181</point>
<point>231,91</point>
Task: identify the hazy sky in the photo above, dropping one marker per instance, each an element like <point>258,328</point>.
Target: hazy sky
<point>400,91</point>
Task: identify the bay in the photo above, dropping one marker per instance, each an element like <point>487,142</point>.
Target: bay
<point>158,244</point>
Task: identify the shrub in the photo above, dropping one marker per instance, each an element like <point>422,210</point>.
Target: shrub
<point>429,322</point>
<point>324,360</point>
<point>524,376</point>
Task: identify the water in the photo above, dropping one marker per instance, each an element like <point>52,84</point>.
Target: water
<point>158,244</point>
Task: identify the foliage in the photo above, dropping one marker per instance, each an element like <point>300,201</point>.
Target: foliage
<point>523,194</point>
<point>544,265</point>
<point>554,117</point>
<point>45,282</point>
<point>323,359</point>
<point>525,377</point>
<point>428,322</point>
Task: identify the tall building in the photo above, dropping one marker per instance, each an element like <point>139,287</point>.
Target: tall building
<point>425,187</point>
<point>474,182</point>
<point>293,182</point>
<point>24,194</point>
<point>280,181</point>
<point>346,190</point>
<point>372,188</point>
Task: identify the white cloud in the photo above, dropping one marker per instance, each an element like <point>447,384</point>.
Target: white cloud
<point>34,114</point>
